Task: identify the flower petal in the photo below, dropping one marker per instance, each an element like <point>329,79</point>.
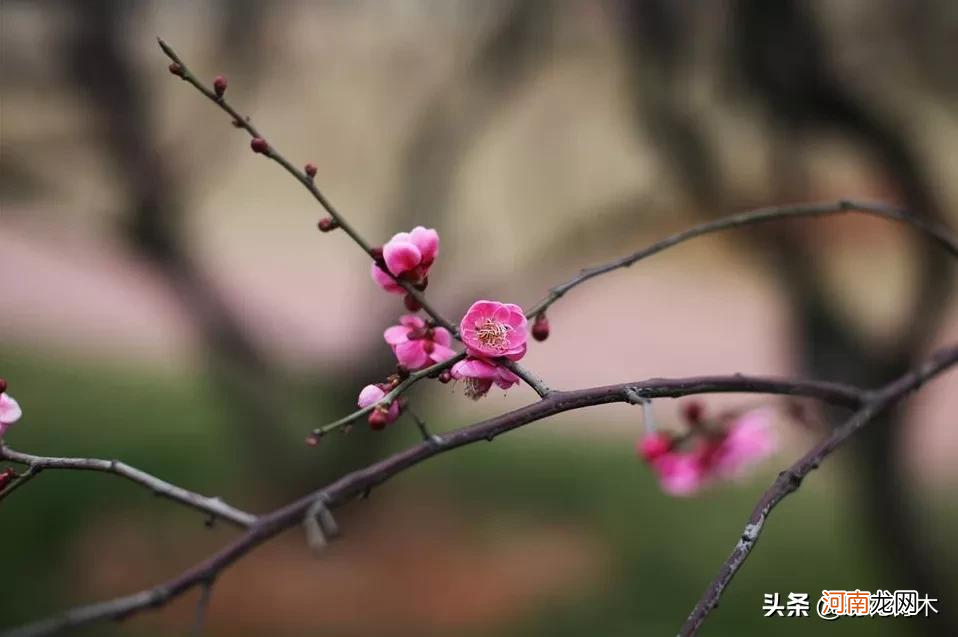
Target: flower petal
<point>370,395</point>
<point>396,334</point>
<point>441,353</point>
<point>10,411</point>
<point>427,240</point>
<point>412,355</point>
<point>385,281</point>
<point>401,256</point>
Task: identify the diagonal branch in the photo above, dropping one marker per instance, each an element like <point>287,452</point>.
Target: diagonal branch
<point>213,506</point>
<point>358,482</point>
<point>789,480</point>
<point>936,233</point>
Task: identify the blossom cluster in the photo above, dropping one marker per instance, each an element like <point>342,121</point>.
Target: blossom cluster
<point>709,451</point>
<point>492,332</point>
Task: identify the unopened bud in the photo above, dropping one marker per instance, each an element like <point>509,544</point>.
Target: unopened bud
<point>377,419</point>
<point>540,328</point>
<point>3,385</point>
<point>445,376</point>
<point>219,85</point>
<point>312,440</point>
<point>411,303</point>
<point>176,69</point>
<point>6,477</point>
<point>654,446</point>
<point>259,145</point>
<point>327,224</point>
<point>692,411</point>
<point>310,170</point>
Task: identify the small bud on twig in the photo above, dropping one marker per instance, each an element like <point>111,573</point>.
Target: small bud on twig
<point>310,170</point>
<point>327,224</point>
<point>259,145</point>
<point>3,385</point>
<point>445,376</point>
<point>378,419</point>
<point>312,440</point>
<point>176,69</point>
<point>411,303</point>
<point>6,477</point>
<point>540,328</point>
<point>219,85</point>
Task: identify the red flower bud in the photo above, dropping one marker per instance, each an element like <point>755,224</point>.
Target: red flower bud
<point>259,145</point>
<point>310,170</point>
<point>312,440</point>
<point>377,419</point>
<point>445,376</point>
<point>693,411</point>
<point>6,477</point>
<point>654,446</point>
<point>540,328</point>
<point>3,385</point>
<point>411,303</point>
<point>327,224</point>
<point>219,85</point>
<point>176,69</point>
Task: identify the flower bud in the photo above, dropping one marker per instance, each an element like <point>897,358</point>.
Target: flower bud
<point>378,419</point>
<point>327,224</point>
<point>411,303</point>
<point>6,477</point>
<point>259,145</point>
<point>310,170</point>
<point>540,328</point>
<point>653,446</point>
<point>445,376</point>
<point>312,440</point>
<point>3,385</point>
<point>176,69</point>
<point>692,411</point>
<point>219,85</point>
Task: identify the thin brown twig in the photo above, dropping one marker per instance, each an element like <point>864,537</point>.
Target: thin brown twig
<point>213,506</point>
<point>789,480</point>
<point>361,481</point>
<point>939,234</point>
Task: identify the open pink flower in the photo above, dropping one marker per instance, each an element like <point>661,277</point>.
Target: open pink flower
<point>491,329</point>
<point>748,440</point>
<point>680,474</point>
<point>416,345</point>
<point>10,412</point>
<point>479,375</point>
<point>408,255</point>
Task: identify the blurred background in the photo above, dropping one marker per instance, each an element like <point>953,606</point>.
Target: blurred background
<point>167,300</point>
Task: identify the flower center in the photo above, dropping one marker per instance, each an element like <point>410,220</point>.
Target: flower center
<point>493,334</point>
<point>474,388</point>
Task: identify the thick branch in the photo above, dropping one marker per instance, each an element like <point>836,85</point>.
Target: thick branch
<point>361,481</point>
<point>789,480</point>
<point>213,506</point>
<point>936,233</point>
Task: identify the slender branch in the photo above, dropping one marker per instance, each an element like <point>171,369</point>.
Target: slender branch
<point>202,605</point>
<point>936,233</point>
<point>527,377</point>
<point>358,482</point>
<point>213,506</point>
<point>243,122</point>
<point>789,480</point>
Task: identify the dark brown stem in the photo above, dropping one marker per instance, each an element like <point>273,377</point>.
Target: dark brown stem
<point>362,481</point>
<point>940,235</point>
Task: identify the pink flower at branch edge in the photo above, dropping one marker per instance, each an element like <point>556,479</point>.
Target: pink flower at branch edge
<point>372,394</point>
<point>408,255</point>
<point>491,329</point>
<point>10,412</point>
<point>748,440</point>
<point>416,345</point>
<point>479,375</point>
<point>680,474</point>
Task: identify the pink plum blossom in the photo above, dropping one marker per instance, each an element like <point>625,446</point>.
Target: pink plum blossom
<point>680,474</point>
<point>10,412</point>
<point>408,255</point>
<point>416,345</point>
<point>479,375</point>
<point>491,329</point>
<point>372,394</point>
<point>748,440</point>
